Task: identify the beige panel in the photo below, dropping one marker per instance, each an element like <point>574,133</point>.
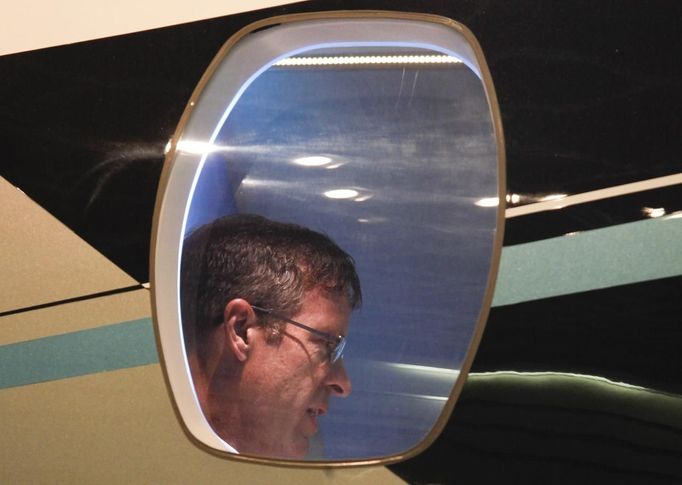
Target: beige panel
<point>119,427</point>
<point>72,317</point>
<point>44,261</point>
<point>33,24</point>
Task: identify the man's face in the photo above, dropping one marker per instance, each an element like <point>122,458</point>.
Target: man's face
<point>287,384</point>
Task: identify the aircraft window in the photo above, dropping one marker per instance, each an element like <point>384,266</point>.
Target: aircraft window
<point>380,131</point>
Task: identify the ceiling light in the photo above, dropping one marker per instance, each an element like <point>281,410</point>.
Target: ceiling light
<point>355,60</point>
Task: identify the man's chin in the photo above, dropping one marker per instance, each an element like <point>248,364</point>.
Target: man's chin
<point>297,453</point>
<point>297,450</point>
<point>294,448</point>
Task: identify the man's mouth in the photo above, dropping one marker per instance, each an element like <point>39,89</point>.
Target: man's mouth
<point>315,412</point>
<point>311,426</point>
<point>316,409</point>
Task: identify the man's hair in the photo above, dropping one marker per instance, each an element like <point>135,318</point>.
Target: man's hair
<point>269,264</point>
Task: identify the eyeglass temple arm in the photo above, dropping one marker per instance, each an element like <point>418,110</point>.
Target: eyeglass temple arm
<point>320,333</point>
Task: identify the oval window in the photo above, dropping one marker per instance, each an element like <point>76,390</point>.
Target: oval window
<point>327,236</point>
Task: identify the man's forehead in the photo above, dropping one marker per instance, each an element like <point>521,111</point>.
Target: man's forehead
<point>326,310</point>
<point>325,295</point>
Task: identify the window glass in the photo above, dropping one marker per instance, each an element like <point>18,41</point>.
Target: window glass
<point>388,148</point>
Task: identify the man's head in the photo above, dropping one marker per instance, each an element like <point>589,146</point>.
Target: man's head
<point>262,379</point>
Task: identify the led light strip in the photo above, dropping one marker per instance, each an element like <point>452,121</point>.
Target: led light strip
<point>359,60</point>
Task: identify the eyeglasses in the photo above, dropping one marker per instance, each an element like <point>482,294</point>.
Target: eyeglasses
<point>338,341</point>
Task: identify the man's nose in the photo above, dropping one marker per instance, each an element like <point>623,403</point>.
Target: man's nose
<point>338,380</point>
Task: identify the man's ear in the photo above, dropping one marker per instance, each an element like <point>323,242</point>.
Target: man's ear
<point>238,315</point>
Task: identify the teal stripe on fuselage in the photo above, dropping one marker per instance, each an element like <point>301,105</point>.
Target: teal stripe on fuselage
<point>117,346</point>
<point>601,258</point>
<point>612,256</point>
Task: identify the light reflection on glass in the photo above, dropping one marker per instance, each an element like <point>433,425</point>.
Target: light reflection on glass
<point>341,194</point>
<point>487,202</point>
<point>424,369</point>
<point>314,161</point>
<point>372,220</point>
<point>199,147</point>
